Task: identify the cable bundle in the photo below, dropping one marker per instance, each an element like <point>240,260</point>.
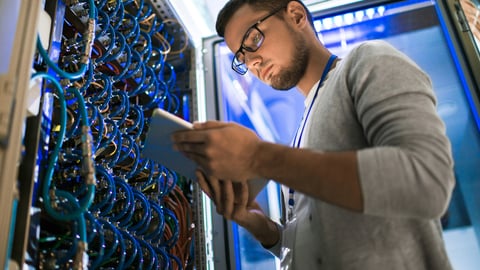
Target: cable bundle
<point>117,209</point>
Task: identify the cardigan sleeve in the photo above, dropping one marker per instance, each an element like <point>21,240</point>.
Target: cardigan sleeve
<point>408,169</point>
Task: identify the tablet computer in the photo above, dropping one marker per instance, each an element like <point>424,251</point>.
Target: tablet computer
<point>159,147</point>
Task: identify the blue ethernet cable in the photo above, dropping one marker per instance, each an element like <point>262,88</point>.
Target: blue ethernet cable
<point>84,58</point>
<point>88,162</point>
<point>133,247</point>
<point>96,242</point>
<point>107,186</point>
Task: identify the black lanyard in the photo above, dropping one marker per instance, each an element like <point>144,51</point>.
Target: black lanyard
<point>296,144</point>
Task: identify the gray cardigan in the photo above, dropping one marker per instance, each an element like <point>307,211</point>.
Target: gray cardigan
<point>378,102</point>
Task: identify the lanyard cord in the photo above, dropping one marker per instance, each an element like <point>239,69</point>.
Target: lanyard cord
<point>296,143</point>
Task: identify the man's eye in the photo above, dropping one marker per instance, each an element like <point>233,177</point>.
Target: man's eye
<point>256,39</point>
<point>253,40</point>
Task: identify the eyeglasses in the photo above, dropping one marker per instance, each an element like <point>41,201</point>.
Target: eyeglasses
<point>251,42</point>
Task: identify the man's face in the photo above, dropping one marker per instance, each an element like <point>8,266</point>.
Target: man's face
<point>281,59</point>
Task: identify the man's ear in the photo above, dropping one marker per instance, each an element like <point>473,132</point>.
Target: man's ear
<point>297,14</point>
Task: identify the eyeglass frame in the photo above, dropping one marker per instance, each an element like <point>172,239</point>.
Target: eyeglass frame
<point>245,48</point>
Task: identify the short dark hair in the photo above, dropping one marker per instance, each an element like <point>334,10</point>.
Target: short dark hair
<point>232,6</point>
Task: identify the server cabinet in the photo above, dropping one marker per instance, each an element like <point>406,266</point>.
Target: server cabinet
<point>76,190</point>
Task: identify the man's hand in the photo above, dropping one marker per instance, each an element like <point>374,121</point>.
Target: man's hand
<point>224,150</point>
<point>230,198</point>
<point>232,202</point>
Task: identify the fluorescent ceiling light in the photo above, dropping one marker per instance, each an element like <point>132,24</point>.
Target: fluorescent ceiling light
<point>315,6</point>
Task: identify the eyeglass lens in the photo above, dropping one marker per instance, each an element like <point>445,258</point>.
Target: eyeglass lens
<point>252,41</point>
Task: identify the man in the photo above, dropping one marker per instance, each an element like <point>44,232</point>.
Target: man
<point>369,173</point>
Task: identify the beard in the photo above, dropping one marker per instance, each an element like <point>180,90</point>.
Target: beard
<point>289,76</point>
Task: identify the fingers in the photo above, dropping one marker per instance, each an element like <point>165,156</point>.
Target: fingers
<point>240,190</point>
<point>197,135</point>
<point>191,143</point>
<point>188,136</point>
<point>204,184</point>
<point>210,185</point>
<point>208,124</point>
<point>217,196</point>
<point>218,191</point>
<point>196,150</point>
<point>228,199</point>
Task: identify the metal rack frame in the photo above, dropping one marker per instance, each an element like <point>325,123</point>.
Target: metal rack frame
<point>13,93</point>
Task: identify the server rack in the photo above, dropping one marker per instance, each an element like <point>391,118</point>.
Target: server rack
<point>24,137</point>
<point>86,197</point>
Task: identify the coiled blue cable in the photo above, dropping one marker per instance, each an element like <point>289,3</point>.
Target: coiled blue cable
<point>145,42</point>
<point>124,59</point>
<point>136,129</point>
<point>150,82</point>
<point>163,258</point>
<point>143,212</point>
<point>103,23</point>
<point>172,76</point>
<point>100,4</point>
<point>110,37</point>
<point>108,140</point>
<point>92,113</point>
<point>98,125</point>
<point>80,218</point>
<point>88,49</point>
<point>130,28</point>
<point>96,244</point>
<point>60,136</point>
<point>156,229</point>
<point>156,59</point>
<point>134,5</point>
<point>146,166</point>
<point>135,155</point>
<point>118,16</point>
<point>168,181</point>
<point>88,78</point>
<point>137,74</point>
<point>54,158</point>
<point>139,259</point>
<point>100,97</point>
<point>145,11</point>
<point>150,256</point>
<point>177,261</point>
<point>124,207</point>
<point>152,92</point>
<point>112,240</point>
<point>132,247</point>
<point>171,221</point>
<point>118,140</point>
<point>119,107</point>
<point>119,45</point>
<point>117,259</point>
<point>107,188</point>
<point>126,148</point>
<point>135,67</point>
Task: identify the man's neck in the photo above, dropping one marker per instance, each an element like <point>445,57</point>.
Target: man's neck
<point>318,60</point>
